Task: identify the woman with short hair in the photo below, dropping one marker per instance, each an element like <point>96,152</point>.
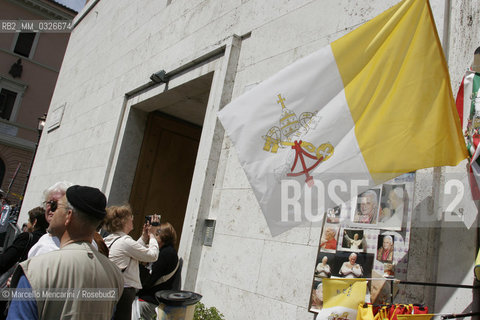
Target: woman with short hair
<point>126,253</point>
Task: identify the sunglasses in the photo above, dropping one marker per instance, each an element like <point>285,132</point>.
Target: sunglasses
<point>53,205</point>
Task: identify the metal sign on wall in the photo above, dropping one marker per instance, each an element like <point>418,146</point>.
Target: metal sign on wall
<point>55,117</point>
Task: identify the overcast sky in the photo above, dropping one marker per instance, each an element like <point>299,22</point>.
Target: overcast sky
<point>76,5</point>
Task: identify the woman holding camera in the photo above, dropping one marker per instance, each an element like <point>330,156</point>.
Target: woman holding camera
<point>126,253</point>
<point>163,272</point>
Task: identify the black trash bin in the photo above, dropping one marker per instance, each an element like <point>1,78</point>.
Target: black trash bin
<point>176,305</point>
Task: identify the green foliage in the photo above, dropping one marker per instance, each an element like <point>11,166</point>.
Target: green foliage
<point>204,313</point>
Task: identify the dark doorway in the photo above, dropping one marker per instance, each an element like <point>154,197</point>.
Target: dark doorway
<point>164,171</point>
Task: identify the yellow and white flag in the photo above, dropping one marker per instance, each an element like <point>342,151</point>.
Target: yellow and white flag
<point>373,104</point>
<point>341,298</point>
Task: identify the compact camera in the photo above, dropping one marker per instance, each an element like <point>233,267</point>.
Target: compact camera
<point>149,220</point>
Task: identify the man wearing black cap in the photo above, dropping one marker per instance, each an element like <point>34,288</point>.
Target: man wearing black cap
<point>77,269</point>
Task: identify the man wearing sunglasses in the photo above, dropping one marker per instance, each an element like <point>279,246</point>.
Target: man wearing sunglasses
<point>48,242</point>
<point>93,281</point>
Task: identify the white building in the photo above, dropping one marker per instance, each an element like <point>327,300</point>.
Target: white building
<point>105,105</point>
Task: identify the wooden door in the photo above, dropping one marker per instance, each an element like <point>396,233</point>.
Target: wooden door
<point>164,171</point>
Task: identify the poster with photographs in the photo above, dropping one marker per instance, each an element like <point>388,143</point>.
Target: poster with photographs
<point>367,237</point>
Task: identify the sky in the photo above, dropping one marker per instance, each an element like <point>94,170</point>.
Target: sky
<point>76,5</point>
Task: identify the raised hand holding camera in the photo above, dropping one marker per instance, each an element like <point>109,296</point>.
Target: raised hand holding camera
<point>153,220</point>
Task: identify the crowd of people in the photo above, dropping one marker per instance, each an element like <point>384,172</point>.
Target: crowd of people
<point>61,249</point>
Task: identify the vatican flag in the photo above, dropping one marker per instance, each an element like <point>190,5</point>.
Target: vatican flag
<point>341,298</point>
<point>372,105</point>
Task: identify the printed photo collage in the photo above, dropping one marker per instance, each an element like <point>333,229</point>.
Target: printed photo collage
<point>367,237</point>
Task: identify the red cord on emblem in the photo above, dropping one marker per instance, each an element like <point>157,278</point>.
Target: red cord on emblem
<point>299,153</point>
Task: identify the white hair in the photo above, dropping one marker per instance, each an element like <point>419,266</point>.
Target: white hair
<point>389,238</point>
<point>330,230</point>
<point>60,186</point>
<point>372,194</point>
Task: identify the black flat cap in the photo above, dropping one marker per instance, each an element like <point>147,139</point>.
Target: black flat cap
<point>87,199</point>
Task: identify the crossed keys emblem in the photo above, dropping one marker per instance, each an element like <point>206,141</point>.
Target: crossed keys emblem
<point>288,134</point>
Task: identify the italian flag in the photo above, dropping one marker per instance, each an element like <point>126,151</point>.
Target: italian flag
<point>375,103</point>
<point>467,106</point>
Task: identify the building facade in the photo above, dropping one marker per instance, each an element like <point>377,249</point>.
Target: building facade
<point>135,114</point>
<point>29,65</point>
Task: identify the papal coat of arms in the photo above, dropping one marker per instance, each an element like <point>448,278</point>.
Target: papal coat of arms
<point>288,134</point>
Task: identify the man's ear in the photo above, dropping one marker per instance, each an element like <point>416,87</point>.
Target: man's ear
<point>69,217</point>
<point>34,222</point>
